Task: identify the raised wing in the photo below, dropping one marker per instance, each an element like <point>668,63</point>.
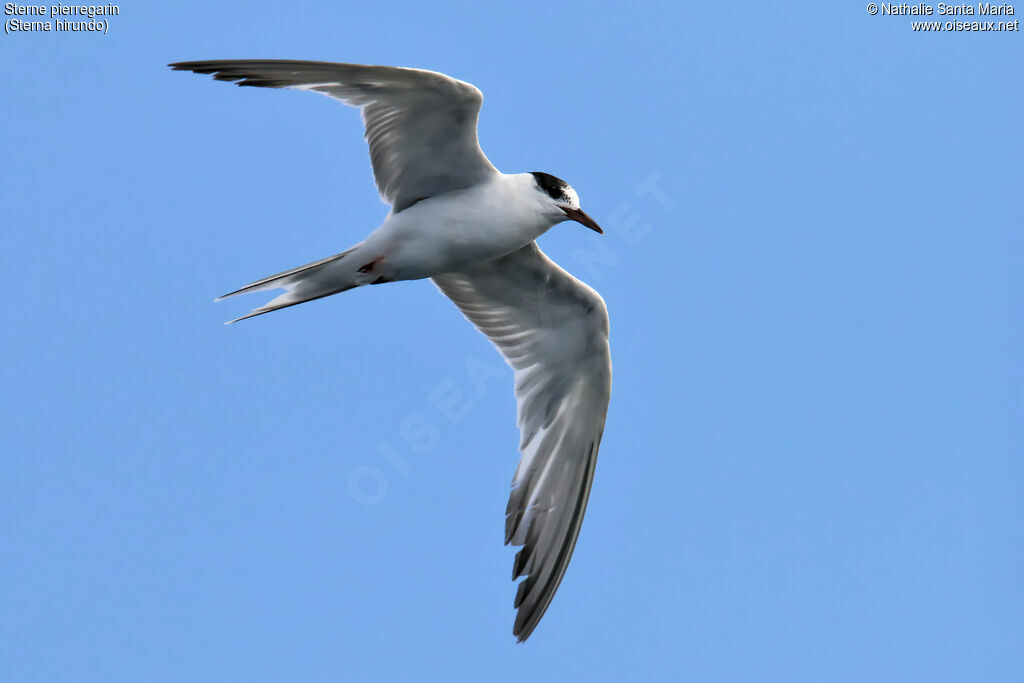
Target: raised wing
<point>421,125</point>
<point>553,331</point>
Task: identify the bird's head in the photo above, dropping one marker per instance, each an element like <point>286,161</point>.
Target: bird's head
<point>566,201</point>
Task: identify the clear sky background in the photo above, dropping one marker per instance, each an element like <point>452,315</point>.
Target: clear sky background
<point>812,464</point>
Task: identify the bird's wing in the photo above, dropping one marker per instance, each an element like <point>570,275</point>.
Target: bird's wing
<point>553,331</point>
<point>421,125</point>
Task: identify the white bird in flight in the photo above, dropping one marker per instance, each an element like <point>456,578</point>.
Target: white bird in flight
<point>456,219</point>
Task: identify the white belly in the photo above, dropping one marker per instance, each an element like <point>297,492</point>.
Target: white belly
<point>447,233</point>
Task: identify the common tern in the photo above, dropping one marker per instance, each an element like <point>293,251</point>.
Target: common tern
<point>456,219</point>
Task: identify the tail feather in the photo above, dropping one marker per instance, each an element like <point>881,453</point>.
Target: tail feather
<point>272,282</point>
<point>306,283</point>
<point>289,299</point>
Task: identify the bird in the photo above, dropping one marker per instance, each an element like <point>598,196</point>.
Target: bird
<point>456,219</point>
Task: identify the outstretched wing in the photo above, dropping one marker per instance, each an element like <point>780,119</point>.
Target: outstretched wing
<point>553,331</point>
<point>421,125</point>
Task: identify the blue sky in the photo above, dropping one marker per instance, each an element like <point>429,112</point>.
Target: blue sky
<point>811,469</point>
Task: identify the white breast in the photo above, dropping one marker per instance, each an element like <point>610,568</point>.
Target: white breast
<point>449,232</point>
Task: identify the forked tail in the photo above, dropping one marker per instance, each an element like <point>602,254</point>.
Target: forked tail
<point>315,280</point>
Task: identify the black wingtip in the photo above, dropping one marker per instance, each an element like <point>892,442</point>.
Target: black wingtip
<point>525,586</point>
<point>194,67</point>
<point>229,71</point>
<point>519,564</point>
